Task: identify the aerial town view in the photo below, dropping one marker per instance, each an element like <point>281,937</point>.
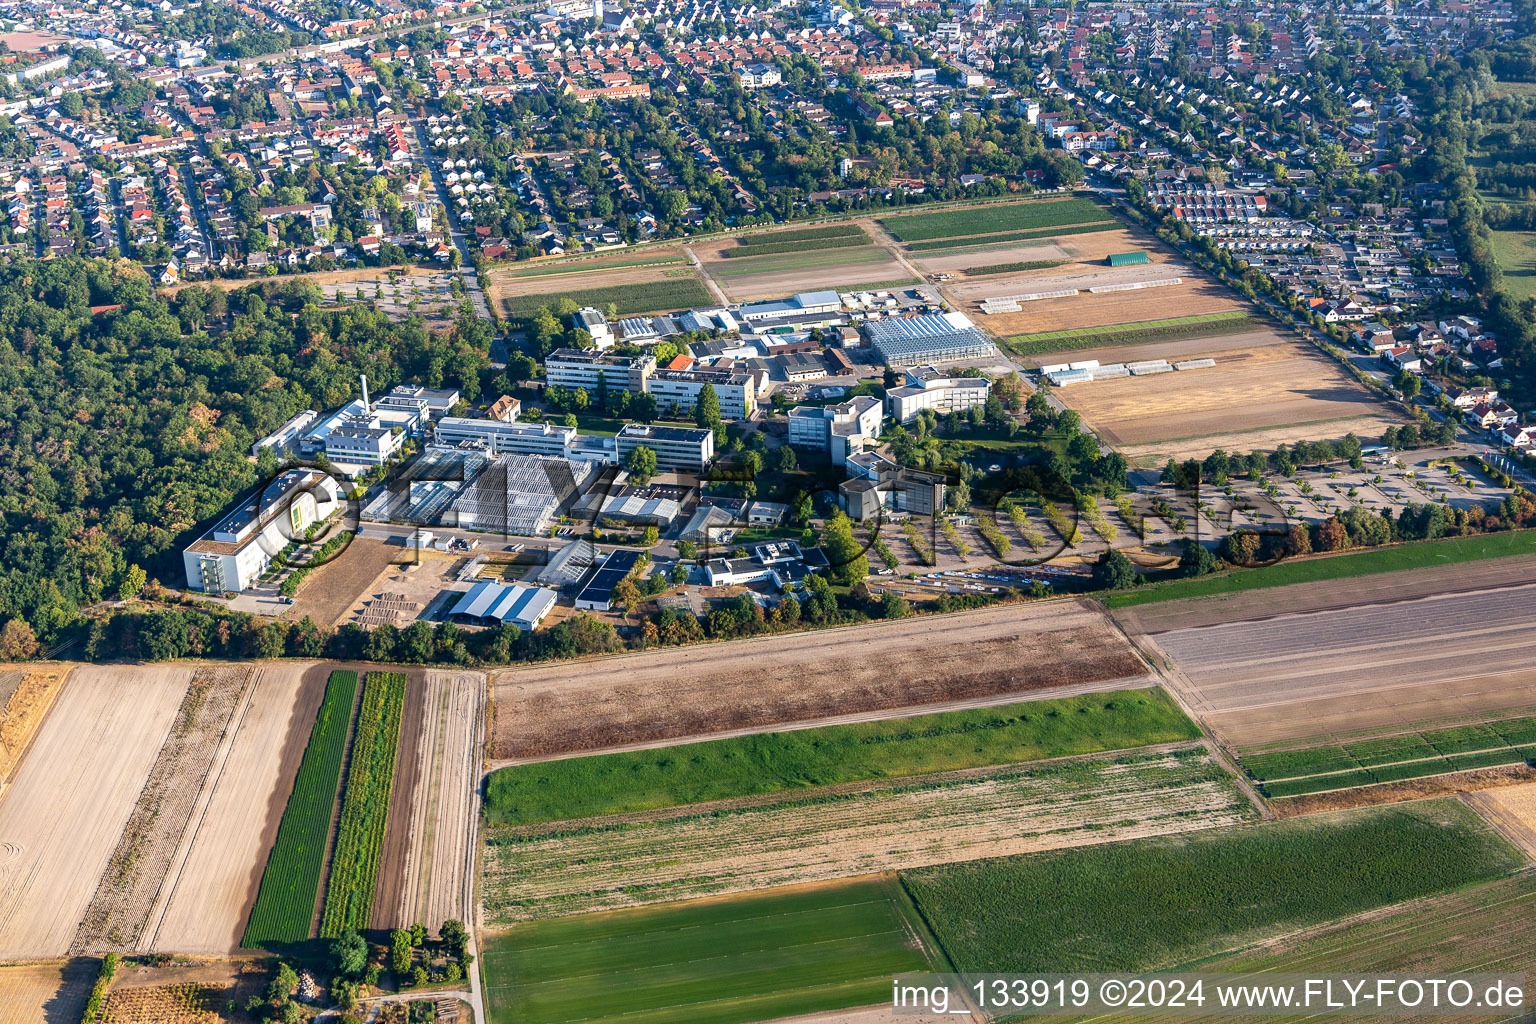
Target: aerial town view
<point>719,512</point>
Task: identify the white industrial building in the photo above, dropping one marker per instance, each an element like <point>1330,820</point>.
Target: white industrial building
<point>928,388</point>
<point>239,548</point>
<point>575,368</point>
<point>489,603</point>
<point>737,392</point>
<point>678,449</point>
<point>838,430</point>
<point>502,438</point>
<point>287,436</point>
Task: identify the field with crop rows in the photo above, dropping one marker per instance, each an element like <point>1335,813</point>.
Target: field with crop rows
<point>775,762</point>
<point>184,1003</point>
<point>1012,268</point>
<point>1160,903</point>
<point>947,246</point>
<point>364,805</point>
<point>994,218</point>
<point>646,297</point>
<point>728,961</point>
<point>806,836</point>
<point>1393,758</point>
<point>834,236</point>
<point>285,906</point>
<point>1231,321</point>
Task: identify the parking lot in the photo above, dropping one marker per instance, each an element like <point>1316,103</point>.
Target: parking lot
<point>424,293</point>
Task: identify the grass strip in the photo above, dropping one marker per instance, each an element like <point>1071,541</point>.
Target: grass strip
<point>645,297</point>
<point>285,904</point>
<point>1012,268</point>
<point>364,806</point>
<point>1417,555</point>
<point>951,224</point>
<point>775,762</point>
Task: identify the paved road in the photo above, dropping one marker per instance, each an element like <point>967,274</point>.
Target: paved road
<point>455,232</point>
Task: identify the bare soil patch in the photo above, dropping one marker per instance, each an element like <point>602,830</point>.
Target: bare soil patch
<point>699,690</point>
<point>499,286</point>
<point>1187,348</point>
<point>1021,252</point>
<point>733,846</point>
<point>30,698</point>
<point>45,993</point>
<point>61,818</point>
<point>208,895</point>
<point>117,913</point>
<point>1411,789</point>
<point>330,590</point>
<point>439,847</point>
<point>1277,387</point>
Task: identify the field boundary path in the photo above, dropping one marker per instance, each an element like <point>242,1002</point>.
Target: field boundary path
<point>706,276</point>
<point>151,930</point>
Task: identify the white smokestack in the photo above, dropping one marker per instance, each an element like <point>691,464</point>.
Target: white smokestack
<point>366,407</point>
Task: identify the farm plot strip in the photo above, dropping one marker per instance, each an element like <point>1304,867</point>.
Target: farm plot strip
<point>776,762</point>
<point>285,905</point>
<point>1347,765</point>
<point>138,869</point>
<point>731,846</point>
<point>979,243</point>
<point>365,805</point>
<point>1165,902</point>
<point>646,297</point>
<point>730,961</point>
<point>993,218</point>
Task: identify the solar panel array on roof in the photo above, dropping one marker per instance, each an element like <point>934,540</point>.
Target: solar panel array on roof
<point>598,593</point>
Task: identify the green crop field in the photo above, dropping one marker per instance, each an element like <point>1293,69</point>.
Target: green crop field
<point>1165,902</point>
<point>285,905</point>
<point>1012,268</point>
<point>777,953</point>
<point>799,261</point>
<point>837,236</point>
<point>589,266</point>
<point>946,246</point>
<point>1515,252</point>
<point>1418,555</point>
<point>1040,213</point>
<point>1412,755</point>
<point>364,805</point>
<point>647,297</point>
<point>773,762</point>
<point>1197,325</point>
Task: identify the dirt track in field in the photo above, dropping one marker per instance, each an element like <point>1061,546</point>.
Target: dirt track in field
<point>61,817</point>
<point>213,883</point>
<point>134,876</point>
<point>391,876</point>
<point>695,691</point>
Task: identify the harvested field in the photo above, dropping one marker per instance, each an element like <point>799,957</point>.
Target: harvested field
<point>1197,294</point>
<point>618,861</point>
<point>391,875</point>
<point>822,269</point>
<point>1511,810</point>
<point>435,854</point>
<point>1330,675</point>
<point>1022,252</point>
<point>590,705</point>
<point>45,993</point>
<point>61,818</point>
<point>330,590</point>
<point>208,894</point>
<point>128,889</point>
<point>31,694</point>
<point>1278,387</point>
